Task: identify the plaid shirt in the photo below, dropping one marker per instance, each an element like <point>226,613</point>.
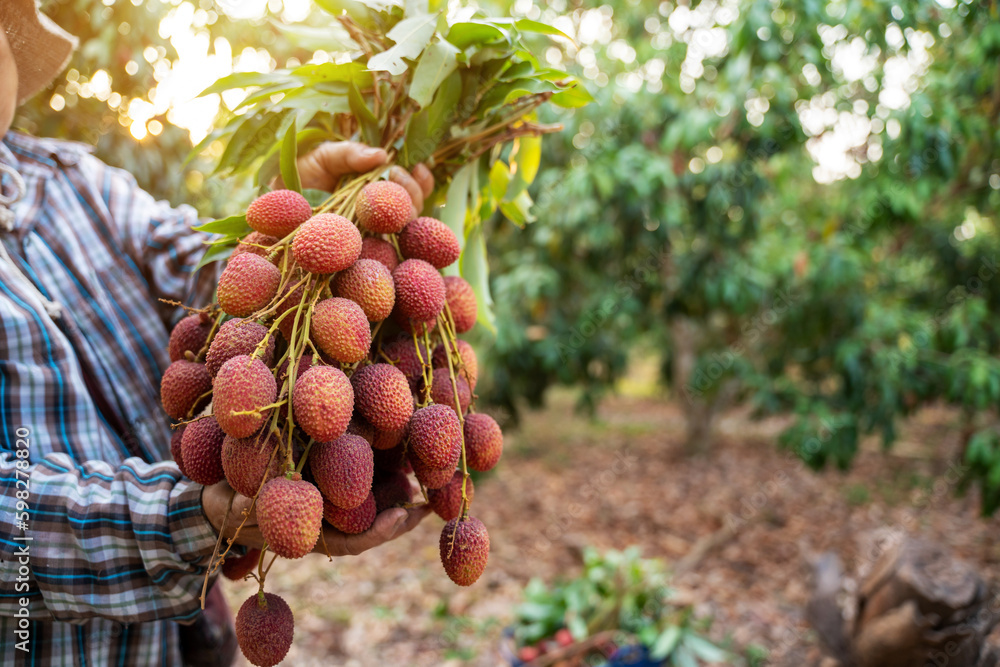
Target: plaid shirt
<point>118,541</point>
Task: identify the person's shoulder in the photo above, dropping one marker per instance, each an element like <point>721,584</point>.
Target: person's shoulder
<point>54,153</point>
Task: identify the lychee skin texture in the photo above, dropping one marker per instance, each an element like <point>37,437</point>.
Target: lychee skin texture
<point>384,207</point>
<point>431,240</point>
<point>442,391</point>
<point>264,632</point>
<point>202,451</point>
<point>182,384</point>
<point>243,384</point>
<point>326,243</point>
<point>359,426</point>
<point>380,250</point>
<point>247,284</point>
<point>483,442</point>
<point>352,521</point>
<point>285,303</point>
<point>323,402</point>
<point>343,470</point>
<point>278,213</point>
<point>447,501</point>
<point>368,283</point>
<point>245,462</point>
<point>461,302</point>
<point>290,514</point>
<point>189,335</point>
<point>403,353</point>
<point>420,290</point>
<point>465,560</point>
<point>176,452</point>
<point>237,337</point>
<point>392,490</point>
<point>382,396</point>
<point>237,568</point>
<point>469,366</point>
<point>436,436</point>
<point>389,460</point>
<point>387,439</point>
<point>251,242</point>
<point>411,327</point>
<point>341,330</point>
<point>429,477</point>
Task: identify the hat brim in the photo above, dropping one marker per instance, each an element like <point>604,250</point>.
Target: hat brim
<point>41,48</point>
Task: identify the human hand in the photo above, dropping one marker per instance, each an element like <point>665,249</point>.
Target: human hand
<point>389,525</point>
<point>323,167</point>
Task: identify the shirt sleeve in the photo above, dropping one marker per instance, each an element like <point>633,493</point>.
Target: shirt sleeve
<point>160,240</point>
<point>128,543</point>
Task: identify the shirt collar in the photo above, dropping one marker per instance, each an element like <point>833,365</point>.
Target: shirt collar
<point>6,154</point>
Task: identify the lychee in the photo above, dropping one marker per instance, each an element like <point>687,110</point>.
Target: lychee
<point>189,335</point>
<point>392,490</point>
<point>290,515</point>
<point>246,462</point>
<point>403,354</point>
<point>176,452</point>
<point>466,365</point>
<point>383,396</point>
<point>431,478</point>
<point>341,330</point>
<point>343,470</point>
<point>236,568</point>
<point>247,284</point>
<point>447,501</point>
<point>410,326</point>
<point>465,548</point>
<point>390,460</point>
<point>461,300</point>
<point>264,629</point>
<point>236,337</point>
<point>368,283</point>
<point>430,240</point>
<point>483,441</point>
<point>322,403</point>
<point>352,521</point>
<point>359,426</point>
<point>288,300</point>
<point>436,436</point>
<point>253,242</point>
<point>387,439</point>
<point>278,213</point>
<point>326,243</point>
<point>380,250</point>
<point>384,207</point>
<point>202,451</point>
<point>243,384</point>
<point>443,392</point>
<point>420,290</point>
<point>182,387</point>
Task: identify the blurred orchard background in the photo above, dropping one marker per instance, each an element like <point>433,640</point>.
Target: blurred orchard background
<point>753,316</point>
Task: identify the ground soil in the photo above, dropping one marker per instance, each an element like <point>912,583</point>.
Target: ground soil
<point>566,482</point>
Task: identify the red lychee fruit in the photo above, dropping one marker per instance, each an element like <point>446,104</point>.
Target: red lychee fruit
<point>392,490</point>
<point>387,439</point>
<point>483,442</point>
<point>343,470</point>
<point>352,521</point>
<point>409,326</point>
<point>359,426</point>
<point>465,548</point>
<point>403,354</point>
<point>264,629</point>
<point>461,302</point>
<point>447,501</point>
<point>201,450</point>
<point>176,453</point>
<point>252,243</point>
<point>443,392</point>
<point>436,436</point>
<point>243,384</point>
<point>382,396</point>
<point>384,207</point>
<point>341,330</point>
<point>323,402</point>
<point>430,240</point>
<point>278,213</point>
<point>368,283</point>
<point>431,478</point>
<point>246,462</point>
<point>420,290</point>
<point>236,568</point>
<point>236,337</point>
<point>290,515</point>
<point>380,250</point>
<point>247,284</point>
<point>466,365</point>
<point>189,335</point>
<point>391,459</point>
<point>326,243</point>
<point>183,384</point>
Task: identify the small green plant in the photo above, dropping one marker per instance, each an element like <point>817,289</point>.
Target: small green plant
<point>620,599</point>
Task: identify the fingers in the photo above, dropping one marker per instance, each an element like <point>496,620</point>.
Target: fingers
<point>323,167</point>
<point>416,192</point>
<point>424,178</point>
<point>389,525</point>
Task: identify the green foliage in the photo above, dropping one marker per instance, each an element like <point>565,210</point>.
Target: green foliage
<point>618,592</point>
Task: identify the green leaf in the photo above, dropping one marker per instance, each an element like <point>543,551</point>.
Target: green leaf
<point>574,97</point>
<point>429,127</point>
<point>233,225</point>
<point>499,179</point>
<point>704,649</point>
<point>240,80</point>
<point>527,25</point>
<point>475,269</point>
<point>436,64</point>
<point>466,33</point>
<point>215,253</point>
<point>410,36</point>
<point>365,117</point>
<point>577,627</point>
<point>316,197</point>
<point>525,160</point>
<point>352,72</point>
<point>289,159</point>
<point>518,210</point>
<point>454,212</point>
<point>331,37</point>
<point>358,11</point>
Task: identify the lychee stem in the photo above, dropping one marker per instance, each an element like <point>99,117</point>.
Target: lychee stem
<point>211,336</point>
<point>449,339</point>
<point>222,531</point>
<point>305,455</point>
